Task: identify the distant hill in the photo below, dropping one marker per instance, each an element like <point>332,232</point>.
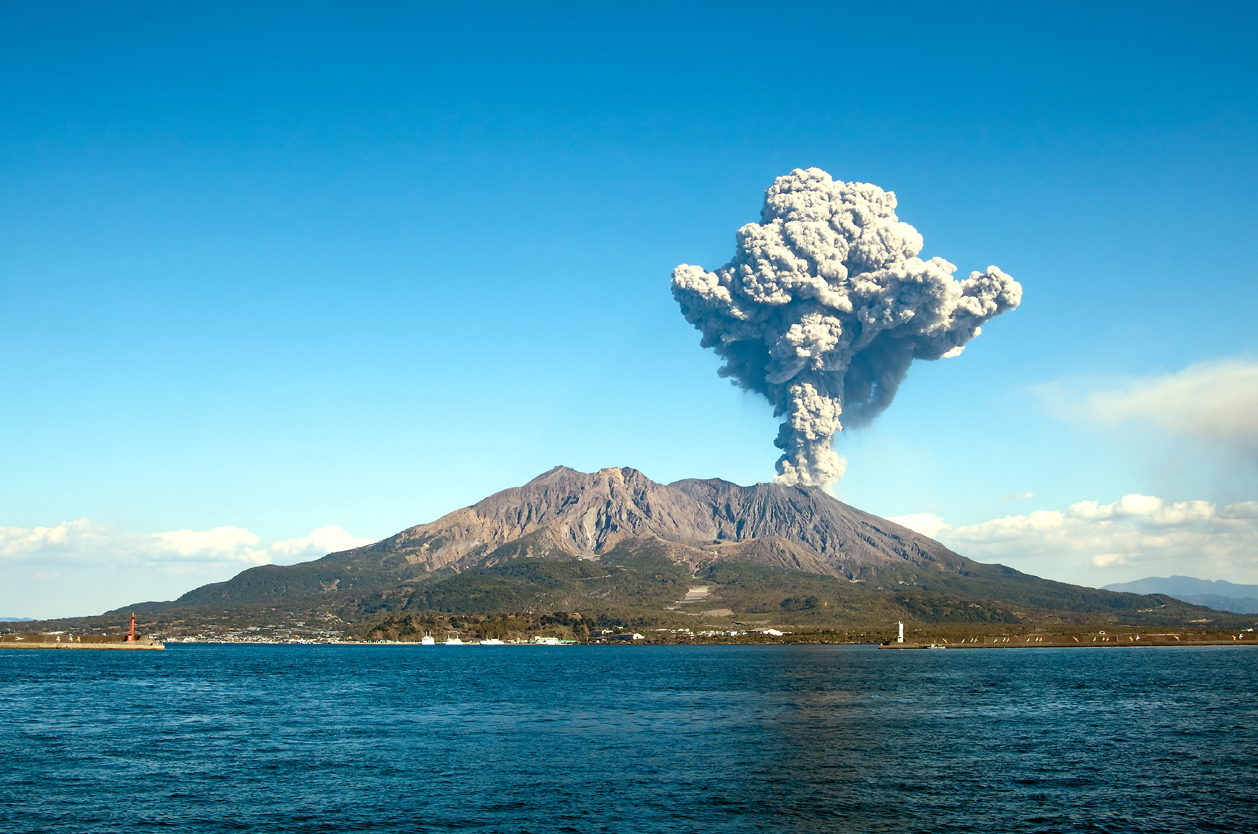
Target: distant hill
<point>617,545</point>
<point>1216,594</point>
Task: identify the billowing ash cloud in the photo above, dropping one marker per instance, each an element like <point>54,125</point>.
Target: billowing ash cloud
<point>824,307</point>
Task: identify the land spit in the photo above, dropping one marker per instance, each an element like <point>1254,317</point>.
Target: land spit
<point>78,641</point>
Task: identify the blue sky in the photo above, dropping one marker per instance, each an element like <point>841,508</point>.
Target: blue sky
<point>319,267</point>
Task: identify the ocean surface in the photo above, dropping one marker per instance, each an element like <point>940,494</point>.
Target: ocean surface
<point>207,738</point>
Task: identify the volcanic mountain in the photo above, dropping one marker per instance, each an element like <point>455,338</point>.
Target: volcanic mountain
<point>574,541</point>
<point>568,513</point>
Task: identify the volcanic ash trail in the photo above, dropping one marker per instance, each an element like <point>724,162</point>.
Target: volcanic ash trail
<point>824,307</point>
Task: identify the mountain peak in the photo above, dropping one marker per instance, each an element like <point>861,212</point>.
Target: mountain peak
<point>553,473</point>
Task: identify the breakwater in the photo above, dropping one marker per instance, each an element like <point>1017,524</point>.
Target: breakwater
<point>78,641</point>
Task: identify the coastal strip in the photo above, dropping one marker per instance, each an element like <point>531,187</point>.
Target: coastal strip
<point>1072,642</point>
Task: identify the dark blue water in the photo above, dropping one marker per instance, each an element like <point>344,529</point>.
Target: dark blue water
<point>628,739</point>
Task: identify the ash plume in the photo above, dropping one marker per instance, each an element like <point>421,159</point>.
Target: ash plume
<point>824,307</point>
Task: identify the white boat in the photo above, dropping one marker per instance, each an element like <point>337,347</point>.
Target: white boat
<point>427,641</point>
<point>492,641</point>
<point>452,641</point>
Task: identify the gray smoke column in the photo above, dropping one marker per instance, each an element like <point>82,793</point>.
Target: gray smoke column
<point>824,307</point>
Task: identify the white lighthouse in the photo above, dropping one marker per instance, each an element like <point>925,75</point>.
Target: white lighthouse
<point>900,639</point>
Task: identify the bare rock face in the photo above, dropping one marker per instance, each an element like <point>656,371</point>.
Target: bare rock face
<point>565,513</point>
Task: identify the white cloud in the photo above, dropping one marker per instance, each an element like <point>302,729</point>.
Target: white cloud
<point>1135,536</point>
<point>220,544</point>
<point>1018,496</point>
<point>86,567</point>
<point>1214,401</point>
<point>319,543</point>
<point>1185,512</point>
<point>1127,506</point>
<point>927,524</point>
<point>1247,509</point>
<point>85,539</point>
<point>1104,560</point>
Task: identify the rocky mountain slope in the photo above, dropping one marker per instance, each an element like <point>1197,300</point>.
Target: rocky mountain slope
<point>568,512</point>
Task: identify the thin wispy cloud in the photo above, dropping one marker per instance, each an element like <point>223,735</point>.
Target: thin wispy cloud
<point>1214,402</point>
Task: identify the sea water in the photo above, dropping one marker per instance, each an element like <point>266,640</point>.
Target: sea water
<point>207,738</point>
